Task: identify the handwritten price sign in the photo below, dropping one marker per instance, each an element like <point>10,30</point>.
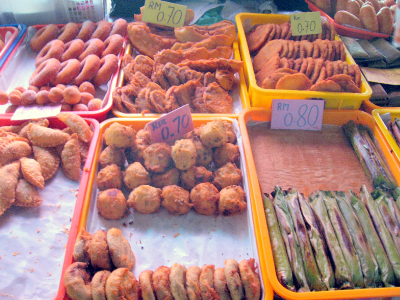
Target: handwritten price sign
<point>171,126</point>
<point>297,114</point>
<point>164,13</point>
<point>306,23</point>
<point>36,112</point>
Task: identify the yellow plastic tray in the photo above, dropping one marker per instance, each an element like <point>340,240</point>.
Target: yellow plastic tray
<point>332,117</point>
<point>243,93</point>
<point>260,97</point>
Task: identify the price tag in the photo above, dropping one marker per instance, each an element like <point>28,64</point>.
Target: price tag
<point>35,112</point>
<point>171,126</point>
<point>306,23</point>
<point>297,114</point>
<point>164,13</point>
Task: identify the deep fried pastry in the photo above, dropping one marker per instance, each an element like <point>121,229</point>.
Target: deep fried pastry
<point>220,284</point>
<point>145,199</point>
<point>233,280</point>
<point>111,204</point>
<point>192,283</point>
<point>195,175</point>
<point>298,81</point>
<point>119,135</point>
<point>269,50</point>
<point>122,284</point>
<point>226,153</point>
<point>204,154</point>
<point>81,246</point>
<point>211,42</point>
<point>32,172</point>
<point>14,150</point>
<point>157,157</point>
<point>326,86</point>
<point>225,78</point>
<point>169,177</point>
<point>98,251</point>
<point>213,134</point>
<point>211,65</point>
<point>77,281</point>
<point>120,250</point>
<point>112,155</point>
<point>77,124</point>
<point>46,137</point>
<point>228,174</point>
<point>176,200</point>
<point>48,159</point>
<point>110,177</point>
<point>26,195</point>
<point>232,201</point>
<point>257,37</point>
<point>177,279</point>
<point>230,132</point>
<point>146,285</point>
<point>206,282</point>
<point>71,158</point>
<point>204,197</point>
<point>184,154</point>
<point>161,283</point>
<point>136,175</point>
<point>196,33</point>
<point>99,281</point>
<point>250,279</point>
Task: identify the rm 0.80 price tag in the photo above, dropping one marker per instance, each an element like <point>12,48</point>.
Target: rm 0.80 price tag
<point>306,23</point>
<point>164,13</point>
<point>297,114</point>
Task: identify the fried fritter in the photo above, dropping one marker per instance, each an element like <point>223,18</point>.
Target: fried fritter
<point>99,281</point>
<point>177,279</point>
<point>77,281</point>
<point>176,200</point>
<point>157,157</point>
<point>250,279</point>
<point>226,153</point>
<point>81,246</point>
<point>228,174</point>
<point>122,284</point>
<point>213,134</point>
<point>120,250</point>
<point>195,175</point>
<point>161,283</point>
<point>98,251</point>
<point>110,177</point>
<point>207,283</point>
<point>232,201</point>
<point>145,199</point>
<point>112,155</point>
<point>184,154</point>
<point>146,285</point>
<point>204,197</point>
<point>220,284</point>
<point>192,283</point>
<point>111,204</point>
<point>119,135</point>
<point>233,280</point>
<point>136,175</point>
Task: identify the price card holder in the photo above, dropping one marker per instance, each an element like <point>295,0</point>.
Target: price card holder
<point>297,114</point>
<point>164,13</point>
<point>306,23</point>
<point>171,126</point>
<point>35,112</point>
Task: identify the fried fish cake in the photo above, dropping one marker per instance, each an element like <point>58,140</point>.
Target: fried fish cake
<point>176,200</point>
<point>204,197</point>
<point>145,199</point>
<point>232,201</point>
<point>157,157</point>
<point>169,177</point>
<point>136,175</point>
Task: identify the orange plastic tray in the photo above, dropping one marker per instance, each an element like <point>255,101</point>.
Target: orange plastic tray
<point>332,117</point>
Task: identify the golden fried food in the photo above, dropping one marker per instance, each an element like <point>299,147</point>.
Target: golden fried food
<point>48,159</point>
<point>136,175</point>
<point>204,197</point>
<point>250,279</point>
<point>206,282</point>
<point>220,284</point>
<point>46,137</point>
<point>217,100</point>
<point>110,177</point>
<point>122,284</point>
<point>232,201</point>
<point>120,250</point>
<point>213,134</point>
<point>184,154</point>
<point>25,128</point>
<point>298,81</point>
<point>211,42</point>
<point>195,175</point>
<point>145,199</point>
<point>176,200</point>
<point>226,153</point>
<point>98,251</point>
<point>135,153</point>
<point>71,159</point>
<point>326,86</point>
<point>157,157</point>
<point>32,172</point>
<point>192,283</point>
<point>203,153</point>
<point>211,65</point>
<point>177,279</point>
<point>112,155</point>
<point>14,150</point>
<point>111,204</point>
<point>26,195</point>
<point>119,135</point>
<point>99,281</point>
<point>77,124</point>
<point>233,280</point>
<point>161,283</point>
<point>225,78</point>
<point>81,246</point>
<point>77,281</point>
<point>146,285</point>
<point>230,132</point>
<point>267,51</point>
<point>169,177</point>
<point>229,174</point>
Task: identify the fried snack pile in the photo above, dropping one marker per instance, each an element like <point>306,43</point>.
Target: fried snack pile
<point>199,171</point>
<point>308,62</point>
<point>31,153</point>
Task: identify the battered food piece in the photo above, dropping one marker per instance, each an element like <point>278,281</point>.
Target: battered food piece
<point>217,100</point>
<point>232,201</point>
<point>207,283</point>
<point>43,36</point>
<point>112,155</point>
<point>204,197</point>
<point>110,177</point>
<point>122,284</point>
<point>71,158</point>
<point>14,151</point>
<point>119,135</point>
<point>213,134</point>
<point>227,153</point>
<point>157,157</point>
<point>146,285</point>
<point>99,281</point>
<point>32,172</point>
<point>230,132</point>
<point>145,199</point>
<point>26,195</point>
<point>111,204</point>
<point>46,137</point>
<point>250,279</point>
<point>136,175</point>
<point>135,153</point>
<point>161,283</point>
<point>169,177</point>
<point>204,154</point>
<point>120,250</point>
<point>177,279</point>
<point>184,154</point>
<point>195,175</point>
<point>98,251</point>
<point>81,246</point>
<point>233,280</point>
<point>220,284</point>
<point>77,124</point>
<point>176,200</point>
<point>77,281</point>
<point>192,283</point>
<point>227,175</point>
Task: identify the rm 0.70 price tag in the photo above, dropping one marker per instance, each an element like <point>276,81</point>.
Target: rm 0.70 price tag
<point>164,13</point>
<point>306,23</point>
<point>297,114</point>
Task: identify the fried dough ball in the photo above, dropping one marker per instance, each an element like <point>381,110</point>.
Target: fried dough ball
<point>204,154</point>
<point>119,135</point>
<point>135,153</point>
<point>169,177</point>
<point>111,204</point>
<point>145,199</point>
<point>230,132</point>
<point>110,177</point>
<point>227,153</point>
<point>184,154</point>
<point>157,157</point>
<point>122,284</point>
<point>229,174</point>
<point>195,175</point>
<point>204,197</point>
<point>232,201</point>
<point>136,175</point>
<point>112,155</point>
<point>176,200</point>
<point>77,281</point>
<point>213,134</point>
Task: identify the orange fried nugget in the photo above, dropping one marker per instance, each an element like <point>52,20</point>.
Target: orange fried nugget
<point>77,124</point>
<point>326,86</point>
<point>9,175</point>
<point>297,81</point>
<point>32,172</point>
<point>71,159</point>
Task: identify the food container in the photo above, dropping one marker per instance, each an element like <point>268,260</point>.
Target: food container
<point>12,35</point>
<point>258,171</point>
<point>239,94</point>
<point>346,30</point>
<point>163,239</point>
<point>23,61</point>
<point>34,238</point>
<point>260,97</point>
